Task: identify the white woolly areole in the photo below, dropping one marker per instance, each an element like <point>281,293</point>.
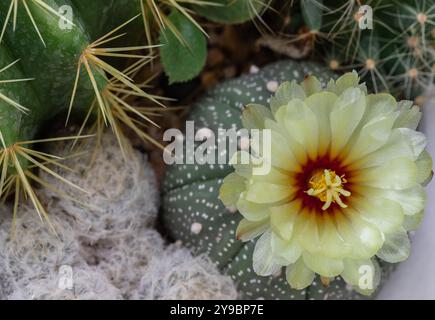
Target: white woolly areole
<point>196,228</point>
<point>253,69</point>
<point>272,86</point>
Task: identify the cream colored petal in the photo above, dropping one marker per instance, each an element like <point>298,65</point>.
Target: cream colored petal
<point>372,136</point>
<point>285,153</point>
<point>301,123</point>
<point>345,116</point>
<point>332,244</point>
<point>265,192</point>
<point>351,273</point>
<point>254,115</point>
<point>285,252</point>
<point>398,174</point>
<point>248,230</point>
<point>279,123</point>
<point>364,238</point>
<point>297,150</point>
<point>364,275</point>
<point>402,143</point>
<point>232,186</point>
<point>307,231</point>
<point>413,222</point>
<point>251,210</point>
<point>311,85</point>
<point>286,92</point>
<point>378,105</point>
<point>321,104</point>
<point>250,166</point>
<point>385,214</point>
<point>346,81</point>
<point>274,176</point>
<point>412,200</point>
<point>263,260</point>
<point>282,218</point>
<point>409,117</point>
<point>299,276</point>
<point>326,267</point>
<point>424,168</point>
<point>415,140</point>
<point>396,247</point>
<point>242,163</point>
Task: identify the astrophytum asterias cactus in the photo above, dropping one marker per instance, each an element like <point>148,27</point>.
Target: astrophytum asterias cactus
<point>344,185</point>
<point>193,212</point>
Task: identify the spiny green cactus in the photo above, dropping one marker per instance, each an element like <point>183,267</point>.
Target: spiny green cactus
<point>70,57</point>
<point>173,25</point>
<point>192,210</point>
<point>397,55</point>
<point>65,69</point>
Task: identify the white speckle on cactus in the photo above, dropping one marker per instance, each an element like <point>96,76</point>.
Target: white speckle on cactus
<point>272,85</point>
<point>254,69</point>
<point>196,228</point>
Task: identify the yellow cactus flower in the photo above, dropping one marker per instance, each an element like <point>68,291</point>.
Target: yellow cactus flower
<point>345,184</point>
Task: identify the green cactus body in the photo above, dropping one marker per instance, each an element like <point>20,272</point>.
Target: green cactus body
<point>40,57</point>
<point>110,14</point>
<point>54,65</point>
<point>231,11</point>
<point>48,65</point>
<point>395,55</point>
<point>103,16</point>
<point>192,211</point>
<point>19,126</point>
<point>48,55</point>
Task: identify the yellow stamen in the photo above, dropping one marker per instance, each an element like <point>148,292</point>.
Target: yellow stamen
<point>327,186</point>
